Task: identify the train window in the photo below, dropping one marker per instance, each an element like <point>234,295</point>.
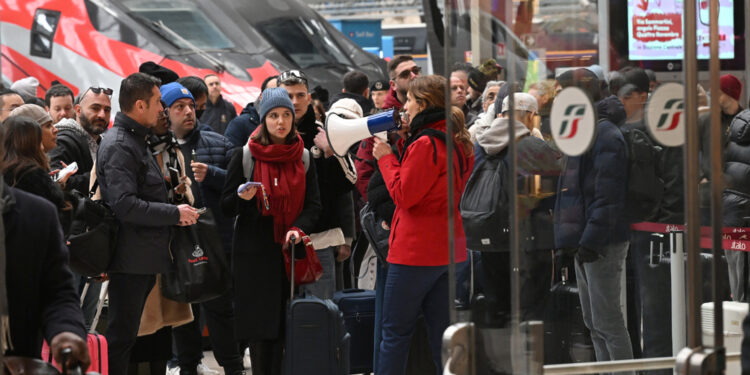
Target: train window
<point>184,19</point>
<point>43,32</point>
<point>305,42</point>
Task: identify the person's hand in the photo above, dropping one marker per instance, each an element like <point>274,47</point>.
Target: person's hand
<point>188,215</point>
<point>344,252</point>
<point>79,351</point>
<point>321,140</point>
<point>381,149</point>
<point>586,255</point>
<point>248,193</point>
<point>199,170</point>
<point>293,233</point>
<point>63,180</point>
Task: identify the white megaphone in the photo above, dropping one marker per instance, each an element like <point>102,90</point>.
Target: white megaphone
<point>343,133</point>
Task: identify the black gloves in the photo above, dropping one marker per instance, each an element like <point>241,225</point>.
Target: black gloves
<point>586,255</point>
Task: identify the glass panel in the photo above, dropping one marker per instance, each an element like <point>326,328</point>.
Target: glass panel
<point>570,221</point>
<point>306,42</point>
<point>185,19</point>
<point>43,32</point>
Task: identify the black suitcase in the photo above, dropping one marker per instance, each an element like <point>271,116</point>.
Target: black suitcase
<point>358,307</point>
<point>566,338</point>
<point>317,342</point>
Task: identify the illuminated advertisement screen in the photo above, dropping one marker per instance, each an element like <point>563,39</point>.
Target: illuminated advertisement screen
<point>655,29</point>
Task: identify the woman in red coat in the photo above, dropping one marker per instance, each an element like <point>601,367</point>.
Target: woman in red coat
<point>418,258</point>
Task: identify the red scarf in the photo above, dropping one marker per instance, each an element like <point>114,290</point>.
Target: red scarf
<point>279,168</point>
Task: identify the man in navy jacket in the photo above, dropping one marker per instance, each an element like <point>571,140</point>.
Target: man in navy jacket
<point>589,217</point>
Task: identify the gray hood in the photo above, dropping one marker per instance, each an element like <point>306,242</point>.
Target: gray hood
<point>494,138</point>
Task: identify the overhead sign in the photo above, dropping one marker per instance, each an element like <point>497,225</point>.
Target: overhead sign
<point>665,114</point>
<point>573,121</point>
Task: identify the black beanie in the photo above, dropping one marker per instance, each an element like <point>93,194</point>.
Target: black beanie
<point>153,69</point>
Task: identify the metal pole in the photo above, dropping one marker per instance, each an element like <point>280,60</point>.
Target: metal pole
<point>677,268</point>
<point>515,278</point>
<point>692,204</point>
<point>717,180</point>
<point>449,164</point>
<point>603,10</point>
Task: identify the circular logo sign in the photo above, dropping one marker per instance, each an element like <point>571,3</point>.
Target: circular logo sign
<point>573,121</point>
<point>664,114</point>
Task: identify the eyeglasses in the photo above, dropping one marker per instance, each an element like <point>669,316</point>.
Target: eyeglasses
<point>292,76</point>
<point>405,74</point>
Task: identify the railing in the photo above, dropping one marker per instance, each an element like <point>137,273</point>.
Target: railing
<point>616,366</point>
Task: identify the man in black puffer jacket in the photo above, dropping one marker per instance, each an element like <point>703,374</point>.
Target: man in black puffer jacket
<point>736,199</point>
<point>208,170</point>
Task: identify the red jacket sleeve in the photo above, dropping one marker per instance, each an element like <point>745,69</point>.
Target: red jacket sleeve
<point>410,181</point>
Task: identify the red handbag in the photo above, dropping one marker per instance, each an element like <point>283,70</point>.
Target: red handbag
<point>306,270</point>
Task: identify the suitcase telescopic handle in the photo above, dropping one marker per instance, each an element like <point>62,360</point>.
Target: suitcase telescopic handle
<point>292,260</point>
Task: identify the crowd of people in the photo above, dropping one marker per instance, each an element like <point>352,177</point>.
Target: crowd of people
<point>176,146</point>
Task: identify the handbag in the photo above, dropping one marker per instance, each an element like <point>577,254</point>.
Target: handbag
<point>307,267</point>
<point>376,231</point>
<point>93,234</point>
<point>199,271</point>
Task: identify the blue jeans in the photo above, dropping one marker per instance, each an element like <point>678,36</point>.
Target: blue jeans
<point>380,279</point>
<point>599,288</point>
<point>324,287</point>
<point>409,290</point>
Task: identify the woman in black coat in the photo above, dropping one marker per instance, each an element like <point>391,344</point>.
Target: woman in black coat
<point>26,166</point>
<point>268,217</point>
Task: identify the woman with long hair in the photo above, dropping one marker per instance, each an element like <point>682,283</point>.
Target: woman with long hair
<point>418,257</point>
<point>266,221</point>
<point>25,165</point>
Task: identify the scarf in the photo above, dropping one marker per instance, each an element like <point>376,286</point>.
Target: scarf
<point>279,168</point>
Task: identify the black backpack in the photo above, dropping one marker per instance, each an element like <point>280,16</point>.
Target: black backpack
<point>645,185</point>
<point>485,204</point>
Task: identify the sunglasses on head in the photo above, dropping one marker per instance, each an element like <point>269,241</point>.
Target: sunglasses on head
<point>292,76</point>
<point>98,90</point>
<point>405,74</point>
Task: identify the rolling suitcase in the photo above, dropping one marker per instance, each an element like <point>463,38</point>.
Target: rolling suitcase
<point>358,307</point>
<point>566,338</point>
<point>317,342</point>
<point>96,343</point>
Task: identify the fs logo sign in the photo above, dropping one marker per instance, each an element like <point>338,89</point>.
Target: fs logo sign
<point>573,121</point>
<point>573,115</point>
<point>672,114</point>
<point>664,115</point>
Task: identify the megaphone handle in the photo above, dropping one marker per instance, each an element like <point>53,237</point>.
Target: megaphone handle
<point>383,136</point>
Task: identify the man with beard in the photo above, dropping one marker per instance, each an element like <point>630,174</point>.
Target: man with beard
<point>78,141</point>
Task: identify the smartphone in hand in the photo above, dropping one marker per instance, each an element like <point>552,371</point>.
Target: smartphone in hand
<point>70,169</point>
<point>248,185</point>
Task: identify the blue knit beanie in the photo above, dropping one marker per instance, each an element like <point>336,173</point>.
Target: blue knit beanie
<point>172,92</point>
<point>274,98</point>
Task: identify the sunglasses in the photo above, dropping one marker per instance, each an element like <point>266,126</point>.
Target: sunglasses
<point>407,73</point>
<point>292,76</point>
